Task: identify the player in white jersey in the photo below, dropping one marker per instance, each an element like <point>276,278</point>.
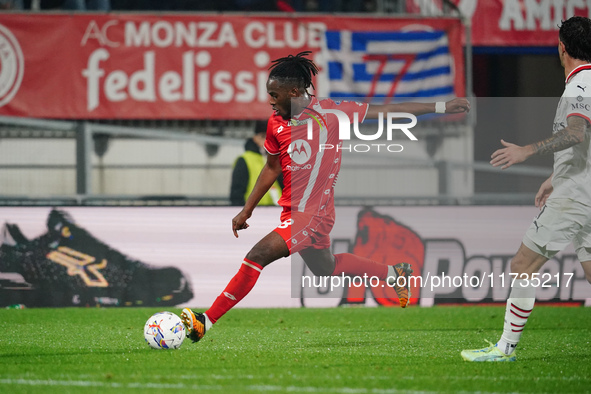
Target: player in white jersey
<point>564,198</point>
<point>309,175</point>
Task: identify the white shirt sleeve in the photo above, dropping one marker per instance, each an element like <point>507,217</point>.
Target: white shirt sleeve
<point>578,98</point>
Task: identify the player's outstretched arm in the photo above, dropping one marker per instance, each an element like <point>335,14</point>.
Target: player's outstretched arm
<point>455,106</point>
<point>572,134</point>
<point>266,178</point>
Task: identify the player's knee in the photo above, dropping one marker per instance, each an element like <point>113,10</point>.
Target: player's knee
<point>320,262</point>
<point>263,256</point>
<point>268,249</point>
<point>522,263</point>
<point>517,265</point>
<point>320,270</point>
<point>258,256</point>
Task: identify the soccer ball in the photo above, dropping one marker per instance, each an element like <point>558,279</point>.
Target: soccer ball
<point>164,330</point>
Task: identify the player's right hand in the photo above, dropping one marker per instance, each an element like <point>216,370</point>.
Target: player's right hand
<point>239,222</point>
<point>510,154</point>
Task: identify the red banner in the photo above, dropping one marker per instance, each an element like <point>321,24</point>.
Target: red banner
<point>510,22</point>
<point>163,67</point>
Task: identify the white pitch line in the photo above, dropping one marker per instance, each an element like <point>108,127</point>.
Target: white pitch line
<point>256,388</point>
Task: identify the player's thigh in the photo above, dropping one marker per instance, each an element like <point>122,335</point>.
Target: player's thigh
<point>272,247</point>
<point>302,231</point>
<point>556,226</point>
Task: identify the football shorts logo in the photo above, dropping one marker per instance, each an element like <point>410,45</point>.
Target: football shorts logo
<point>299,151</point>
<point>12,65</point>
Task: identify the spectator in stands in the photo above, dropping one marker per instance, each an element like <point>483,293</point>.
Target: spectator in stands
<point>329,6</point>
<point>263,5</point>
<point>87,5</point>
<point>341,5</point>
<point>75,5</point>
<point>203,5</point>
<point>248,167</point>
<point>11,5</point>
<point>158,5</point>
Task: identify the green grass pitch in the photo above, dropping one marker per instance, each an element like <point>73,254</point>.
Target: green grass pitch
<point>338,350</point>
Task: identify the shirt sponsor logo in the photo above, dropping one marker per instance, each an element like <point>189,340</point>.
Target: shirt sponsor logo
<point>297,168</point>
<point>299,151</point>
<point>581,106</point>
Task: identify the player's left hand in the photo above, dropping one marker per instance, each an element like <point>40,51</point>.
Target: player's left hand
<point>543,193</point>
<point>457,105</point>
<point>509,155</point>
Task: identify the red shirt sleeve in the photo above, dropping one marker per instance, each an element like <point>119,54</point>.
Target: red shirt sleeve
<point>271,143</point>
<point>352,107</point>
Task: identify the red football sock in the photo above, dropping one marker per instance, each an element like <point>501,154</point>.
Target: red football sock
<point>239,286</point>
<point>354,265</point>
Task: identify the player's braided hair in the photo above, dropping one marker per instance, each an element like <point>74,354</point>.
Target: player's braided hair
<point>296,69</point>
<point>575,34</point>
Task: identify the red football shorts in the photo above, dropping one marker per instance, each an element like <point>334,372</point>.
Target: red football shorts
<point>302,230</point>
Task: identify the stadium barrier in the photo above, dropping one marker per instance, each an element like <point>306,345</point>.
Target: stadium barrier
<point>88,163</point>
<point>150,256</point>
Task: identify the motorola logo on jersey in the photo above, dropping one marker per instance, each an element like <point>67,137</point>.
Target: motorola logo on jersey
<point>12,65</point>
<point>299,151</point>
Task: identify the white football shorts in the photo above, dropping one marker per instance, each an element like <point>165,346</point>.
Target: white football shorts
<point>560,222</point>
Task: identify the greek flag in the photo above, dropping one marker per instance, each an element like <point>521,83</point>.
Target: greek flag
<point>397,64</point>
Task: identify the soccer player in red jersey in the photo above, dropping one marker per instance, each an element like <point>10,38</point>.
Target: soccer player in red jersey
<point>310,163</point>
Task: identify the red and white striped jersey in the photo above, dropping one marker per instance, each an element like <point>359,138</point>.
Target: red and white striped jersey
<point>310,166</point>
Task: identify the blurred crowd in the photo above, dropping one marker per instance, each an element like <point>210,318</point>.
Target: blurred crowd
<point>190,5</point>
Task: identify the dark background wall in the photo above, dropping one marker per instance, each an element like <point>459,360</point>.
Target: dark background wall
<point>516,100</point>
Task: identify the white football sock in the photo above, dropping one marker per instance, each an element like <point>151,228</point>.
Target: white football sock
<point>519,306</point>
<point>208,322</point>
<point>392,272</point>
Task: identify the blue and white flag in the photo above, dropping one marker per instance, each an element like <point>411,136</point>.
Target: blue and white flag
<point>407,65</point>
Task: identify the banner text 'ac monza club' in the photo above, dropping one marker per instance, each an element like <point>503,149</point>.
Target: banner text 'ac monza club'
<point>163,67</point>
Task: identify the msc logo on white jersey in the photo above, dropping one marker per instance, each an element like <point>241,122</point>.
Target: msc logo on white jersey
<point>12,65</point>
<point>299,151</point>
